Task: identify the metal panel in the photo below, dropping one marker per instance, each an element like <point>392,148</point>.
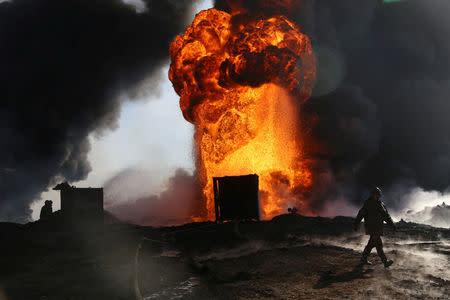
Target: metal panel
<point>236,197</point>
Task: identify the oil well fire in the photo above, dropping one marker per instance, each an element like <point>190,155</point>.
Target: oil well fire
<point>241,78</point>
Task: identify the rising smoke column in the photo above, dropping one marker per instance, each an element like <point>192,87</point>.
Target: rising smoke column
<point>240,76</point>
<point>63,65</point>
<point>382,97</point>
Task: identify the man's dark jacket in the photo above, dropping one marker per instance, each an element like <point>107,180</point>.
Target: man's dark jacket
<point>374,213</point>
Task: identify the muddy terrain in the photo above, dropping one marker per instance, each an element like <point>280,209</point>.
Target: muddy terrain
<point>290,257</point>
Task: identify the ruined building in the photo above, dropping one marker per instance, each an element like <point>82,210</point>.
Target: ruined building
<point>81,204</point>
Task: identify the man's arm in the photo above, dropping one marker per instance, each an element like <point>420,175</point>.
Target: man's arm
<point>387,217</point>
<point>361,214</point>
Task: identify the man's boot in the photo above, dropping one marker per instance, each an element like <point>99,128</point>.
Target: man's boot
<point>381,254</point>
<point>387,263</point>
<point>364,260</point>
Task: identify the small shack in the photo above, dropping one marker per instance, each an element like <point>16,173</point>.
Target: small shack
<point>81,204</point>
<point>236,197</point>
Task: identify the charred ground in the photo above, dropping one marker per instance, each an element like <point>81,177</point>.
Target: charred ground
<point>289,257</point>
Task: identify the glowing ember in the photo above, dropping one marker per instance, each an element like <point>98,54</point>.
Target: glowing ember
<point>241,80</point>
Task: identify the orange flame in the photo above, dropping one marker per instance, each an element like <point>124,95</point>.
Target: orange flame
<point>241,80</point>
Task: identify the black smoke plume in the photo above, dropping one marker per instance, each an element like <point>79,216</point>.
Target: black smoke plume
<point>382,100</point>
<point>382,92</point>
<point>63,66</point>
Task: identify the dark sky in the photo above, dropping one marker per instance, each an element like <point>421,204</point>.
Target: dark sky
<point>63,65</point>
<point>381,96</point>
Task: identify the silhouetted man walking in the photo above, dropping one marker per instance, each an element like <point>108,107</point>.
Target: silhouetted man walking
<point>374,213</point>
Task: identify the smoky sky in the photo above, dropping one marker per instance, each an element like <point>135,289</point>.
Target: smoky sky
<point>173,206</point>
<point>379,114</point>
<point>63,65</point>
<point>382,98</point>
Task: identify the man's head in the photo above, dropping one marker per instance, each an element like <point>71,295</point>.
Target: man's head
<point>48,202</point>
<point>376,193</point>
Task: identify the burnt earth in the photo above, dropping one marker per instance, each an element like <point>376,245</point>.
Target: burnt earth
<point>290,257</point>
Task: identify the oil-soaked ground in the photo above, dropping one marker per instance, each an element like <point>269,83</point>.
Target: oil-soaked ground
<point>290,257</point>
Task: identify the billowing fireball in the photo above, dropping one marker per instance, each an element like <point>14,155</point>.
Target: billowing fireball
<point>241,79</point>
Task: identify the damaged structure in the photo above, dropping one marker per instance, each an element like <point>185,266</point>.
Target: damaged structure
<point>81,204</point>
<point>236,197</point>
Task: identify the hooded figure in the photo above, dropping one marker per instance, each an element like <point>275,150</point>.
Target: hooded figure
<point>374,213</point>
<point>46,210</point>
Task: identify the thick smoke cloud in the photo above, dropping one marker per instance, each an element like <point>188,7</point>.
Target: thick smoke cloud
<point>382,91</point>
<point>396,55</point>
<point>64,65</point>
<point>379,111</point>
